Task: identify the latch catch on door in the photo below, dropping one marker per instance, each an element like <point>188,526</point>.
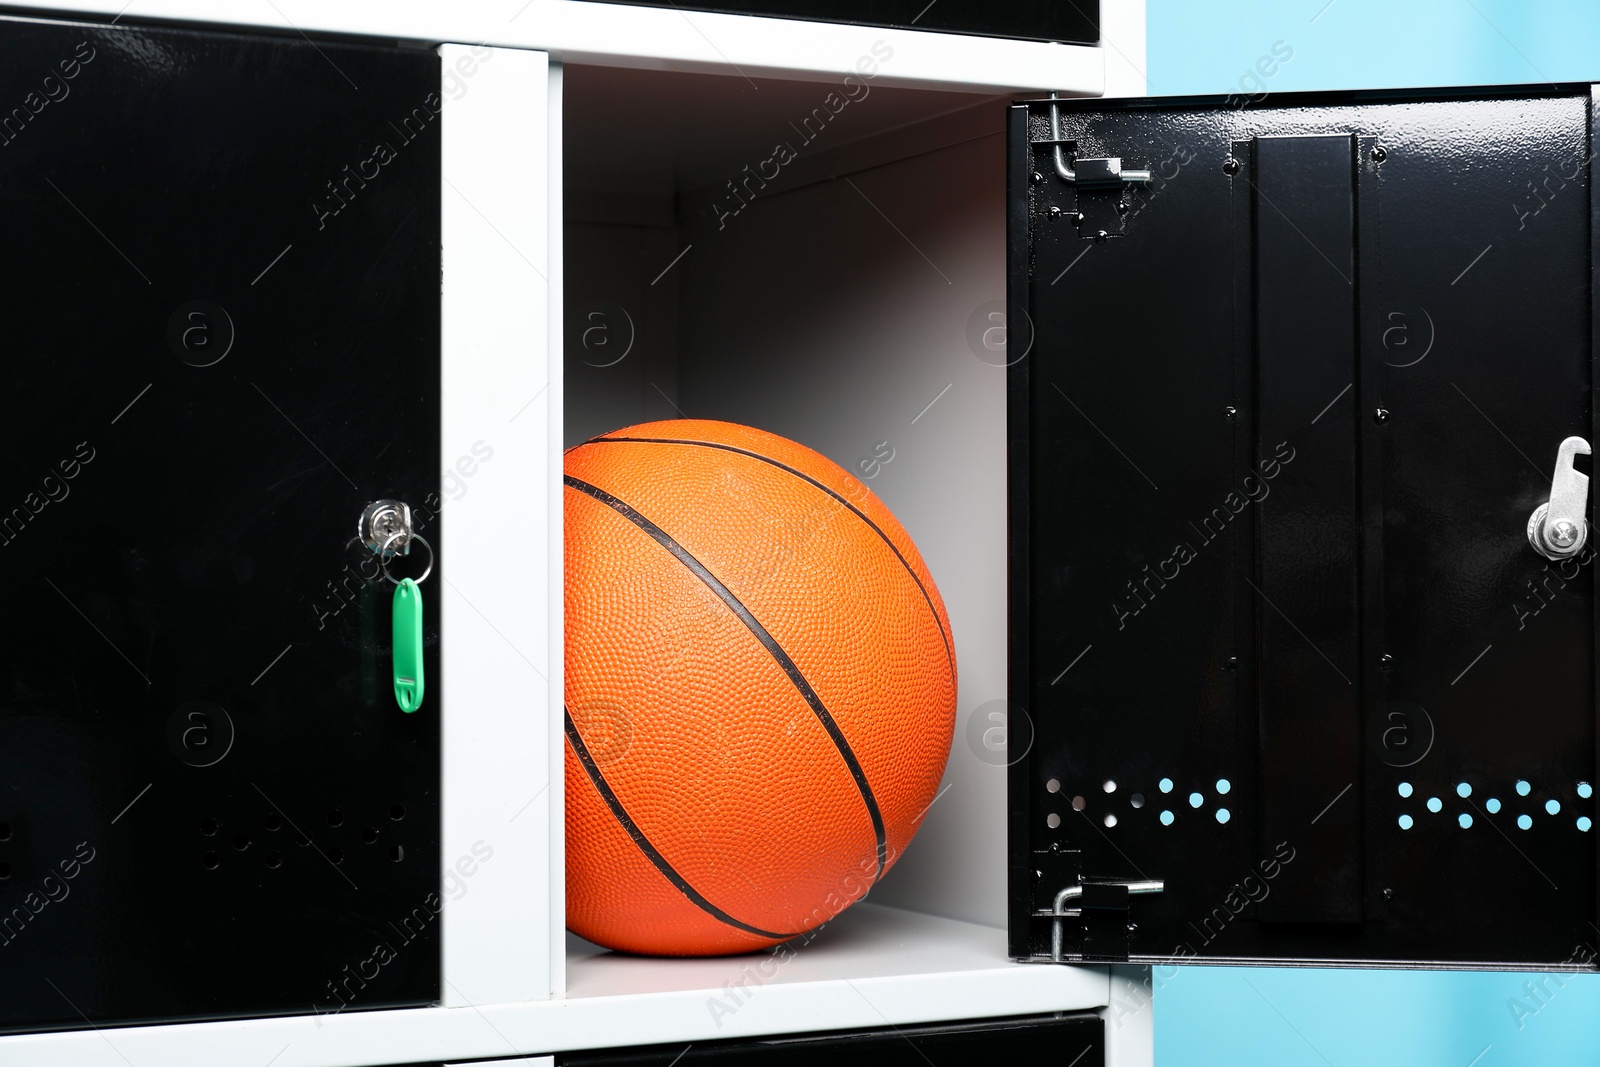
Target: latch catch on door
<point>1106,173</point>
<point>1559,529</point>
<point>1108,895</point>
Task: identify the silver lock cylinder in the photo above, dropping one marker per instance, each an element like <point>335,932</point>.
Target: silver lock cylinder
<point>385,528</point>
<point>1559,529</point>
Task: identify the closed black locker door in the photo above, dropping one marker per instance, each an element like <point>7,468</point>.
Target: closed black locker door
<point>1292,399</point>
<point>220,263</point>
<point>1067,1038</point>
<point>1039,20</point>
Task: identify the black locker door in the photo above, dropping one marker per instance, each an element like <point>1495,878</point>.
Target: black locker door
<point>1289,655</point>
<point>1038,20</point>
<point>1068,1038</point>
<point>219,256</point>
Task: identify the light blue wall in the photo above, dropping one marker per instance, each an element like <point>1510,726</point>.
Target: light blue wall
<point>1223,1015</point>
<point>1207,46</point>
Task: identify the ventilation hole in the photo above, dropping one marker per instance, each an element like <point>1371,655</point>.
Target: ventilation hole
<point>1223,815</point>
<point>1523,789</point>
<point>209,827</point>
<point>1109,786</point>
<point>1406,822</point>
<point>302,840</point>
<point>1167,818</point>
<point>272,822</point>
<point>1584,823</point>
<point>370,834</point>
<point>335,817</point>
<point>1463,790</point>
<point>1165,785</point>
<point>1492,805</point>
<point>1405,789</point>
<point>1585,790</point>
<point>335,855</point>
<point>1524,822</point>
<point>397,853</point>
<point>1137,800</point>
<point>1223,785</point>
<point>1111,820</point>
<point>5,827</point>
<point>1078,803</point>
<point>274,860</point>
<point>1465,820</point>
<point>208,860</point>
<point>1053,785</point>
<point>5,871</point>
<point>1553,806</point>
<point>241,842</point>
<point>397,812</point>
<point>1052,820</point>
<point>1435,805</point>
<point>1195,800</point>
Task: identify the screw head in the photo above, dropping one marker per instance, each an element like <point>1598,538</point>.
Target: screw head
<point>1563,533</point>
<point>1100,238</point>
<point>1388,894</point>
<point>1232,664</point>
<point>1385,662</point>
<point>1230,412</point>
<point>1230,166</point>
<point>1380,416</point>
<point>1122,207</point>
<point>1055,212</point>
<point>1037,177</point>
<point>1133,928</point>
<point>1378,154</point>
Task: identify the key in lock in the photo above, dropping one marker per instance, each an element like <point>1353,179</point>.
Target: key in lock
<point>385,528</point>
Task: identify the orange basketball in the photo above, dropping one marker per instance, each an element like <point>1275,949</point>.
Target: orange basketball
<point>760,689</point>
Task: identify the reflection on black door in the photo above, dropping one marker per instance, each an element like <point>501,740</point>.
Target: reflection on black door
<point>220,267</point>
<point>1277,621</point>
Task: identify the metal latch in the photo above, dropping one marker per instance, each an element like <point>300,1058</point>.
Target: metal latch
<point>1559,529</point>
<point>1108,895</point>
<point>1106,173</point>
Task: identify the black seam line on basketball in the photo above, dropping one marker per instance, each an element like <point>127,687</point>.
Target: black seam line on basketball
<point>948,655</point>
<point>770,643</point>
<point>655,857</point>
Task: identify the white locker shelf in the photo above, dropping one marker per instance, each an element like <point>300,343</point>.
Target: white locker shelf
<point>658,38</point>
<point>871,967</point>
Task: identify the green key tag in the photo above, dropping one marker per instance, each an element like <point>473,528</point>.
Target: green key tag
<point>407,645</point>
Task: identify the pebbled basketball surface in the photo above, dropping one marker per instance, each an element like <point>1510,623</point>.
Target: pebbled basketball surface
<point>760,688</point>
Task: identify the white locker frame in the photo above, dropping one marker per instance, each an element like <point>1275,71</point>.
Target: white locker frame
<point>506,993</point>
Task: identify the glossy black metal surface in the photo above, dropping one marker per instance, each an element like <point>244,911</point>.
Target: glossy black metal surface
<point>221,334</point>
<point>1063,1038</point>
<point>1039,20</point>
<point>1306,532</point>
<point>1274,449</point>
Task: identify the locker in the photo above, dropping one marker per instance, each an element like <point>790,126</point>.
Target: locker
<point>1303,688</point>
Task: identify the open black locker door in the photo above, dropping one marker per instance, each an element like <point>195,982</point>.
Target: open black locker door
<point>220,261</point>
<point>1302,688</point>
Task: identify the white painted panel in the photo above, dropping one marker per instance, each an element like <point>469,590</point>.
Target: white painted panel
<point>1130,1019</point>
<point>663,38</point>
<point>1122,32</point>
<point>500,659</point>
<point>849,315</point>
<point>555,415</point>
